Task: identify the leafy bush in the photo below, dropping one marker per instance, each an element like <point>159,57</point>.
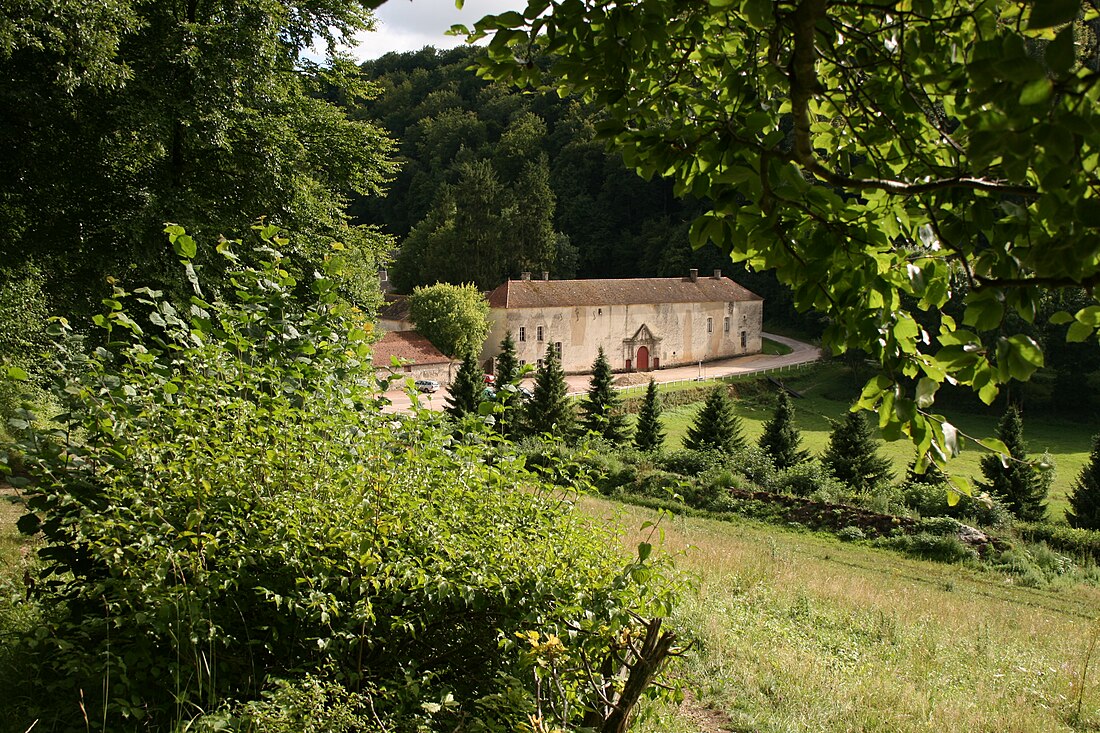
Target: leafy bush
<point>807,479</point>
<point>690,462</point>
<point>851,534</point>
<point>228,507</point>
<point>1082,543</point>
<point>942,526</point>
<point>754,463</point>
<point>930,547</point>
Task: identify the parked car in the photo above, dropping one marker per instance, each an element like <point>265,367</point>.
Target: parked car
<point>427,385</point>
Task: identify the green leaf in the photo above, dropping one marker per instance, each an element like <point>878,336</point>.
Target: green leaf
<point>17,374</point>
<point>1078,332</point>
<point>184,246</point>
<point>950,439</point>
<point>1036,92</point>
<point>1061,317</point>
<point>926,392</point>
<point>644,551</point>
<point>1059,54</point>
<point>1049,13</point>
<point>962,484</point>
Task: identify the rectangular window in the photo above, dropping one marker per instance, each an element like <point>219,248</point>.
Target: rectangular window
<point>538,333</point>
<point>727,322</point>
<point>539,363</point>
<point>557,348</point>
<point>744,339</point>
<point>710,325</point>
<point>522,333</point>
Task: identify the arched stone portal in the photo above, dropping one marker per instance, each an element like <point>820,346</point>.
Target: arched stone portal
<point>639,349</point>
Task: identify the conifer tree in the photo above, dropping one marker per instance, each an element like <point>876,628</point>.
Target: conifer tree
<point>467,388</point>
<point>1084,499</point>
<point>852,456</point>
<point>781,439</point>
<point>507,363</point>
<point>716,426</point>
<point>648,435</point>
<point>601,408</point>
<point>549,411</point>
<point>1019,484</point>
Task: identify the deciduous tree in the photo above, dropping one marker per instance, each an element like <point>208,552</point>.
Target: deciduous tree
<point>122,115</point>
<point>602,414</point>
<point>455,318</point>
<point>716,427</point>
<point>875,155</point>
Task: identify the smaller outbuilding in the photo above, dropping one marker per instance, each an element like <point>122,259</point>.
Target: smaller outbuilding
<point>417,357</point>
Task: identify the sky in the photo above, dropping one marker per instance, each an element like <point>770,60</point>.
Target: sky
<point>409,25</point>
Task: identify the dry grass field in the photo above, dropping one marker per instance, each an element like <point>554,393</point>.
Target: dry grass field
<point>797,632</point>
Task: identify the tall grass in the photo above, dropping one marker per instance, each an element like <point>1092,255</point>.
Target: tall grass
<point>797,632</point>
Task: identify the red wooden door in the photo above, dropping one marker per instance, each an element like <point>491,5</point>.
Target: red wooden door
<point>643,359</point>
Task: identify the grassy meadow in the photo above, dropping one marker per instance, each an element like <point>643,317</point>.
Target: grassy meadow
<point>828,390</point>
<point>798,632</point>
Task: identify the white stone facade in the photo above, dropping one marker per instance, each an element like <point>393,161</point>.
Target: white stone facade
<point>641,324</point>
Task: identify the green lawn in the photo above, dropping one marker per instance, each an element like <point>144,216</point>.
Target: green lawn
<point>826,394</point>
<point>773,348</point>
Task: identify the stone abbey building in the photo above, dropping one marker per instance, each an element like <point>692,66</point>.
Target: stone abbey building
<point>641,323</point>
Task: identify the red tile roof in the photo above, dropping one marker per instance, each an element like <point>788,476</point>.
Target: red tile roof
<point>634,291</point>
<point>407,346</point>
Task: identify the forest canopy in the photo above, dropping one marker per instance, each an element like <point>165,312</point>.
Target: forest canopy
<point>888,161</point>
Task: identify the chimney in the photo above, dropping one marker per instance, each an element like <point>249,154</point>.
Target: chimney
<point>693,275</point>
<point>525,276</point>
<point>545,275</point>
<point>717,274</point>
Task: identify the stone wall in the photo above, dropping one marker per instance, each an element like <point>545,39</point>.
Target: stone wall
<point>674,334</point>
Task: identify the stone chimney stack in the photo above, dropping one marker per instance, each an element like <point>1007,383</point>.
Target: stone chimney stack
<point>525,276</point>
<point>693,275</point>
<point>717,274</point>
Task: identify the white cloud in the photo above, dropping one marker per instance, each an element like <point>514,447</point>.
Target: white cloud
<point>404,25</point>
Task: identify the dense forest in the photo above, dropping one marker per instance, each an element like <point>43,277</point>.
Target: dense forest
<point>493,182</point>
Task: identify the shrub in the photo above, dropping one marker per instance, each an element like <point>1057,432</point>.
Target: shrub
<point>1080,543</point>
<point>690,462</point>
<point>940,526</point>
<point>807,479</point>
<point>931,547</point>
<point>851,534</point>
<point>228,508</point>
<point>754,463</point>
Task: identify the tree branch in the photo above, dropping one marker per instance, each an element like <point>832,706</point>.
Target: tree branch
<point>805,85</point>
